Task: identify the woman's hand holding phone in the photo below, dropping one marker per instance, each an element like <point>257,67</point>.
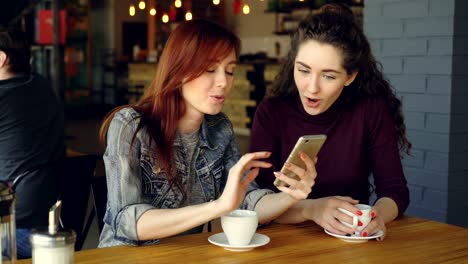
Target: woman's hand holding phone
<point>300,187</point>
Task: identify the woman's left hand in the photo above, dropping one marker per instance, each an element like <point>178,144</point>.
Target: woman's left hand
<point>299,189</point>
<point>376,224</point>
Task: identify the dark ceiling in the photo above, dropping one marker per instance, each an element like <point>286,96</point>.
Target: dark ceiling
<point>12,10</point>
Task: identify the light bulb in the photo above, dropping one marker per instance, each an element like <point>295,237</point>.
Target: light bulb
<point>142,5</point>
<point>178,3</point>
<point>188,16</point>
<point>153,11</point>
<point>246,9</point>
<point>131,10</point>
<point>215,2</point>
<point>165,18</point>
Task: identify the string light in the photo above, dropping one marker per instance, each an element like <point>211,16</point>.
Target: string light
<point>178,4</point>
<point>131,10</point>
<point>165,18</point>
<point>142,5</point>
<point>188,16</point>
<point>246,9</point>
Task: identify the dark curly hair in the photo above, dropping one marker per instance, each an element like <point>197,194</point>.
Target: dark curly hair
<point>334,24</point>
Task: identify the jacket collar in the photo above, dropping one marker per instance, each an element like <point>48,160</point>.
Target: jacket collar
<point>205,129</point>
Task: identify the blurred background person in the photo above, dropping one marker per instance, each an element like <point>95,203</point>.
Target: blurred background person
<point>31,136</point>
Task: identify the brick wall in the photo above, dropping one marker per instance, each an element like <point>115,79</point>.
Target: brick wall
<point>423,48</point>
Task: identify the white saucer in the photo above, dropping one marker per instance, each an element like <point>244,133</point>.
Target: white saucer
<point>355,239</point>
<point>220,239</point>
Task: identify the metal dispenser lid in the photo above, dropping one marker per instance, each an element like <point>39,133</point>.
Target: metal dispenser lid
<point>43,238</point>
<point>52,236</point>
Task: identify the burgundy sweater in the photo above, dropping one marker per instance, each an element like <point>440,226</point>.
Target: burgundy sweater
<point>361,139</point>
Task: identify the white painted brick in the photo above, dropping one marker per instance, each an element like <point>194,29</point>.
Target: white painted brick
<point>429,141</point>
<point>439,84</point>
<point>428,65</point>
<point>441,46</point>
<point>439,123</point>
<point>437,161</point>
<point>415,159</point>
<point>372,12</point>
<point>384,29</point>
<point>391,65</point>
<point>408,46</point>
<point>406,9</point>
<point>426,103</point>
<point>426,178</point>
<point>383,1</point>
<point>435,26</point>
<point>435,200</point>
<point>416,193</point>
<point>459,104</point>
<point>414,120</point>
<point>460,85</point>
<point>419,211</point>
<point>375,46</point>
<point>442,7</point>
<point>408,83</point>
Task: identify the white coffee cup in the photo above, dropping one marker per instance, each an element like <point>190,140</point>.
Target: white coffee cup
<point>365,218</point>
<point>239,226</point>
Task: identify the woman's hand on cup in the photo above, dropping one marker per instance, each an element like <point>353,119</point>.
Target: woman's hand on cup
<point>375,226</point>
<point>299,189</point>
<point>324,212</point>
<point>236,185</point>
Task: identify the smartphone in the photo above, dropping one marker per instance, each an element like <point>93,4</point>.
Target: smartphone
<point>310,145</point>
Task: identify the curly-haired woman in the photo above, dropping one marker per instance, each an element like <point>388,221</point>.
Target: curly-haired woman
<point>331,84</point>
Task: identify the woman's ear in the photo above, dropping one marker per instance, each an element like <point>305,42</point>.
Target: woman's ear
<point>3,59</point>
<point>351,78</point>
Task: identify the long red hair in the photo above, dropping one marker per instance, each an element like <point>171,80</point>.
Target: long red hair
<point>191,49</point>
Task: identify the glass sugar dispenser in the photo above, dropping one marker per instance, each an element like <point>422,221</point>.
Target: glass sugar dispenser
<point>7,224</point>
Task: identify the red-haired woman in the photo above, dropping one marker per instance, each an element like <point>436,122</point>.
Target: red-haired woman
<point>172,162</point>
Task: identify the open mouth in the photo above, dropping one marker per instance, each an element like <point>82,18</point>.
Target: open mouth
<point>313,102</point>
<point>218,98</point>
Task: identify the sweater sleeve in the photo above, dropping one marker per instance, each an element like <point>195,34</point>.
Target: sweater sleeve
<point>262,138</point>
<point>387,170</point>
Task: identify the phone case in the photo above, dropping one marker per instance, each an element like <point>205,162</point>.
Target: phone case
<point>310,145</point>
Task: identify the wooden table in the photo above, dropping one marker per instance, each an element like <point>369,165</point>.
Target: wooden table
<point>409,240</point>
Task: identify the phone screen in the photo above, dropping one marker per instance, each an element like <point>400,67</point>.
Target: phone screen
<point>310,145</point>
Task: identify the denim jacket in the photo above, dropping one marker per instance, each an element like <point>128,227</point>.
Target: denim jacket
<point>136,183</point>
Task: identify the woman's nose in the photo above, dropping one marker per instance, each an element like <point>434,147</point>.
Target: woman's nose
<point>221,79</point>
<point>313,85</point>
